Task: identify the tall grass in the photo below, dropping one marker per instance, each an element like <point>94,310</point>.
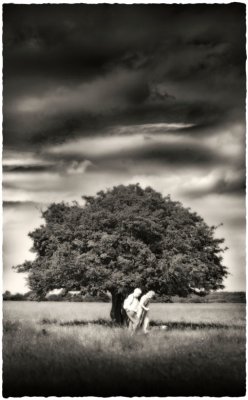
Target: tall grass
<point>221,313</point>
<point>96,360</point>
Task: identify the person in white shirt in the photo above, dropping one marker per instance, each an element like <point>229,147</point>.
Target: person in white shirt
<point>142,319</point>
<point>131,305</point>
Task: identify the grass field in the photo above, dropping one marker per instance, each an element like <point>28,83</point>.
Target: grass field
<point>49,349</point>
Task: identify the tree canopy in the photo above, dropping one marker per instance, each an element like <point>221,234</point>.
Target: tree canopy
<point>124,238</point>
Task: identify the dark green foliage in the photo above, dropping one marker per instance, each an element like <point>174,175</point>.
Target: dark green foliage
<point>124,238</point>
<point>15,297</point>
<point>6,295</point>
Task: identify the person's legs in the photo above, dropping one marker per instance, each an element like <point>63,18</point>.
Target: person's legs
<point>145,325</point>
<point>136,325</point>
<point>132,319</point>
<point>125,317</point>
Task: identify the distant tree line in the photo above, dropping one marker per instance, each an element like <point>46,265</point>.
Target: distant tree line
<point>67,296</point>
<point>7,295</point>
<point>214,297</point>
<point>32,296</point>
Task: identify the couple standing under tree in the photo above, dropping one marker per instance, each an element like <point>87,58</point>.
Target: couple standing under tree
<point>137,310</point>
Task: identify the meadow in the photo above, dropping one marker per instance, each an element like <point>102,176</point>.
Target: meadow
<point>72,349</point>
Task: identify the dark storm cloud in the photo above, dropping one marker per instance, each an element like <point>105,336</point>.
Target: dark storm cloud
<point>60,124</point>
<point>21,204</point>
<point>66,39</point>
<point>223,186</point>
<point>235,186</point>
<point>146,150</point>
<point>178,154</point>
<point>140,64</point>
<point>27,168</point>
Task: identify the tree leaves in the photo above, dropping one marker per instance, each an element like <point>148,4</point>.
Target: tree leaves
<point>123,238</point>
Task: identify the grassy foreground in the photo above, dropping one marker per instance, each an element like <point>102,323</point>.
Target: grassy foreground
<point>50,359</point>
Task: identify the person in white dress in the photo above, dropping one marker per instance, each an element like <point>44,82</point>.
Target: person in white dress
<point>131,305</point>
<point>143,320</point>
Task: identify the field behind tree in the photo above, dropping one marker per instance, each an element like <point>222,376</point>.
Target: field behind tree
<point>71,349</point>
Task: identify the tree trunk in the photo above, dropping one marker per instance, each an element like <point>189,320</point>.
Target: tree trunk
<point>116,313</point>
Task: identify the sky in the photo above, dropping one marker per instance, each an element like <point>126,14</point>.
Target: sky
<point>100,95</point>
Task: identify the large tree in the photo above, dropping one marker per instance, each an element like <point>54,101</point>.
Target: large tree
<point>124,238</point>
